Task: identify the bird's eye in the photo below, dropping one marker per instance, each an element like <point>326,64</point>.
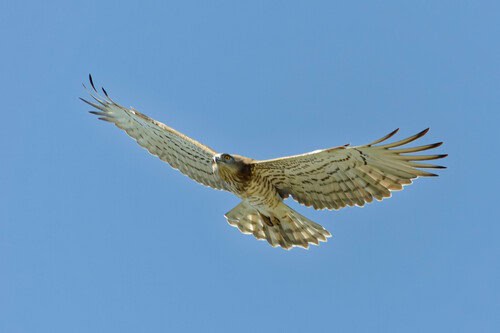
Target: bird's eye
<point>227,157</point>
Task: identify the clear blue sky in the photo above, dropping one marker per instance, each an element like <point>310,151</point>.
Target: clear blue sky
<point>96,235</point>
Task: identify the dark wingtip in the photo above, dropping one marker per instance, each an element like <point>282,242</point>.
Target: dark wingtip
<point>84,100</point>
<point>437,144</point>
<point>92,82</point>
<point>424,132</point>
<point>390,135</point>
<point>89,103</point>
<point>382,139</point>
<point>99,113</point>
<point>105,92</point>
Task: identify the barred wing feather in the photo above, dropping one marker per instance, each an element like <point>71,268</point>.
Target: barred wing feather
<point>183,153</point>
<point>348,176</point>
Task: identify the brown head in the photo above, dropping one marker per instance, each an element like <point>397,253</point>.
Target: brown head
<point>233,169</point>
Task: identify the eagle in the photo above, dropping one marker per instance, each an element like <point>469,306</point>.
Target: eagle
<point>330,178</point>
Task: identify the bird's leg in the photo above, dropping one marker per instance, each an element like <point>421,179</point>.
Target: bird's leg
<point>270,221</point>
<point>266,219</point>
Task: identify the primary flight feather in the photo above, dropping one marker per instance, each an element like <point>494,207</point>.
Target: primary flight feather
<point>324,179</point>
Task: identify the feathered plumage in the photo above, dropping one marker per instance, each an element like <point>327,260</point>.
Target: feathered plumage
<point>324,179</point>
<point>347,176</point>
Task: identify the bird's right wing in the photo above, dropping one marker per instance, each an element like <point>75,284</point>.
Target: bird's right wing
<point>180,151</point>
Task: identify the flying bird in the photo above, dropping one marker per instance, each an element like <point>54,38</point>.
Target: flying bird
<point>330,178</point>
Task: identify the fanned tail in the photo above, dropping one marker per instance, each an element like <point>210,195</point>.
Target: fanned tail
<point>284,227</point>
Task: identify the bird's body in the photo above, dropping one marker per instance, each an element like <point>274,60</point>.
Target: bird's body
<point>324,179</point>
<point>262,211</point>
<point>245,183</point>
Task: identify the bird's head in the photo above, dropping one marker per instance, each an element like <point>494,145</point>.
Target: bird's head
<point>226,159</point>
<point>235,165</point>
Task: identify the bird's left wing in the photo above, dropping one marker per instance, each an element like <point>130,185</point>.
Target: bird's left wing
<point>180,151</point>
<point>347,176</point>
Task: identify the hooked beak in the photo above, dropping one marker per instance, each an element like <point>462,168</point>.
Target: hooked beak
<point>216,158</point>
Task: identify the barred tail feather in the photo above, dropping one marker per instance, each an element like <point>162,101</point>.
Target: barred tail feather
<point>284,227</point>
